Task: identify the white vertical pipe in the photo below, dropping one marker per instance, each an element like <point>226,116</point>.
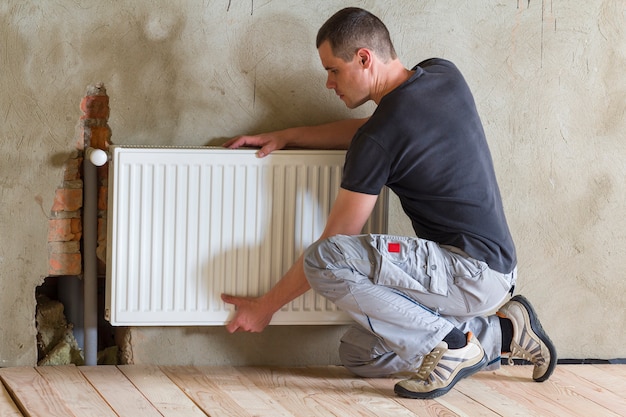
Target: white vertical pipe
<point>94,158</point>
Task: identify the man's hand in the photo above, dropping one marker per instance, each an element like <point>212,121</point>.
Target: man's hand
<point>333,135</point>
<point>251,314</point>
<point>268,142</point>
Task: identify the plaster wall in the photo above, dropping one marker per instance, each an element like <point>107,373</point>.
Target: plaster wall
<point>548,81</point>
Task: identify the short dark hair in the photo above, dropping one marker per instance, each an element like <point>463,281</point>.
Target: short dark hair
<point>353,28</point>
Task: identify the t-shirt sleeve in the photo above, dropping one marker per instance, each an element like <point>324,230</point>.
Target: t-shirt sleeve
<point>366,168</point>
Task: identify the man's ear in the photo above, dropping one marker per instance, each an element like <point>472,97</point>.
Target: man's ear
<point>365,57</point>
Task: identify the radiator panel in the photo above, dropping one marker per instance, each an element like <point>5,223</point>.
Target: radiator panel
<point>187,224</point>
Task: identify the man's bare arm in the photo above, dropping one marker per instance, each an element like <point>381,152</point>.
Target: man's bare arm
<point>348,216</point>
<point>333,135</point>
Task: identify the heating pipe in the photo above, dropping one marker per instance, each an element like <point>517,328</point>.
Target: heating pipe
<point>96,158</point>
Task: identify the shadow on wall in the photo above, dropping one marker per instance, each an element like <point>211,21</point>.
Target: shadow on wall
<point>262,76</point>
<point>285,77</point>
<point>147,59</point>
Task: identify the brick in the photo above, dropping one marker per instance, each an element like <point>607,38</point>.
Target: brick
<point>101,249</point>
<point>103,197</point>
<point>73,169</point>
<point>67,199</point>
<point>103,174</point>
<point>100,136</point>
<point>95,107</point>
<point>77,229</point>
<point>64,264</point>
<point>64,230</point>
<point>80,138</point>
<point>102,229</point>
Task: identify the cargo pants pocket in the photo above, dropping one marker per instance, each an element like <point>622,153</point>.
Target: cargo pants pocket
<point>408,263</point>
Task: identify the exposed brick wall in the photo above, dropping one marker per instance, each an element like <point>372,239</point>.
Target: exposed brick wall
<point>65,224</point>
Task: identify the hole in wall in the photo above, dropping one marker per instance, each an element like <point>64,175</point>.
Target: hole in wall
<point>59,321</point>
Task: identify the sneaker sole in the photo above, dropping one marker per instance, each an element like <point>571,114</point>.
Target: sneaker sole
<point>463,373</point>
<point>535,325</point>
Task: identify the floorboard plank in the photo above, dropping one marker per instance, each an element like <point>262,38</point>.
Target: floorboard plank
<point>325,391</point>
<point>161,391</point>
<point>217,397</point>
<point>8,408</point>
<point>421,408</point>
<point>615,369</point>
<point>279,384</point>
<point>594,393</point>
<point>121,395</point>
<point>230,380</point>
<point>383,392</point>
<point>611,377</point>
<point>556,396</point>
<point>508,395</point>
<point>32,393</point>
<point>454,403</point>
<point>78,394</point>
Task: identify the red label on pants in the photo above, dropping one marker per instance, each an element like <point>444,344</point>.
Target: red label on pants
<point>393,247</point>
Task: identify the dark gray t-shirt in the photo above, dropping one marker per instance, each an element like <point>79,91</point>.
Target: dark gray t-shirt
<point>425,141</point>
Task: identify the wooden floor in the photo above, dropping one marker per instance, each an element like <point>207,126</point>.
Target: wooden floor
<point>135,391</point>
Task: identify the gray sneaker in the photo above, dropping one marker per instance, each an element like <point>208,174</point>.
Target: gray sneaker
<point>442,368</point>
<point>530,341</point>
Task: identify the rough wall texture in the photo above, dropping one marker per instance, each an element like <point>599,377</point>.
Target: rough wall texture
<point>547,76</point>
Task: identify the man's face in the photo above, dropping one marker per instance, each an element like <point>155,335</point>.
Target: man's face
<point>346,78</point>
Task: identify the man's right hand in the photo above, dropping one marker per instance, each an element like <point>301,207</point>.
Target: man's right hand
<point>251,315</point>
<point>268,142</point>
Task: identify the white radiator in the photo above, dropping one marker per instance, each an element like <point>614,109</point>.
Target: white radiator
<point>187,224</point>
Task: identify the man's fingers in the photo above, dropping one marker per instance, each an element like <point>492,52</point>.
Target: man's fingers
<point>266,150</point>
<point>230,299</point>
<point>235,142</point>
<point>232,327</point>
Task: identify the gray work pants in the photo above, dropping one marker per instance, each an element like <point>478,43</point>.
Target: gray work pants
<point>405,295</point>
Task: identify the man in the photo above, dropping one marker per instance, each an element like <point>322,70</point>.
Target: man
<point>418,303</point>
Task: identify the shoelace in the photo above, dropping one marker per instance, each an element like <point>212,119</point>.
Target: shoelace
<point>519,352</point>
<point>429,363</point>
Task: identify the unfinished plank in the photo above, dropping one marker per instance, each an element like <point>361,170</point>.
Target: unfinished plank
<point>508,395</point>
<point>555,396</point>
<point>164,394</point>
<point>203,391</point>
<point>121,395</point>
<point>8,408</point>
<point>32,393</point>
<point>277,383</point>
<point>349,388</point>
<point>453,403</point>
<point>262,399</point>
<point>327,391</point>
<point>78,394</point>
<point>595,394</point>
<point>615,369</point>
<point>611,377</point>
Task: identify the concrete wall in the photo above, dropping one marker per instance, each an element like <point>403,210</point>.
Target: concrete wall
<point>549,81</point>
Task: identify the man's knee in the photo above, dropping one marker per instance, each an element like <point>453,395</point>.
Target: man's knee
<point>356,353</point>
<point>365,355</point>
<point>314,258</point>
<point>317,261</point>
